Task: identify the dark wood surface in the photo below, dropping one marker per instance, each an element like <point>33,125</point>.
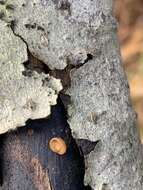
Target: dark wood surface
<point>27,163</point>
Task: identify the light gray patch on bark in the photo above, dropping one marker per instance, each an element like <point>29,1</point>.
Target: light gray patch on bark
<point>21,97</point>
<point>100,87</point>
<point>63,34</point>
<point>44,2</point>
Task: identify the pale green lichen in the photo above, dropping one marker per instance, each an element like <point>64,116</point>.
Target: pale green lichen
<point>6,10</point>
<point>56,37</point>
<point>21,97</point>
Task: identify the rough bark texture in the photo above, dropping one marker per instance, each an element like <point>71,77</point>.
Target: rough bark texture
<point>22,95</point>
<point>82,33</point>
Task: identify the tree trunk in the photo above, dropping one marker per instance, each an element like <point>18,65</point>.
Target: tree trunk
<point>28,162</point>
<point>75,41</point>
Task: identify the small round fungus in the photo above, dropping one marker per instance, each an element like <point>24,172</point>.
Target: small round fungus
<point>58,145</point>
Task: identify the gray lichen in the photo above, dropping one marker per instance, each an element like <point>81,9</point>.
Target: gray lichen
<point>6,10</point>
<point>52,34</point>
<point>21,97</point>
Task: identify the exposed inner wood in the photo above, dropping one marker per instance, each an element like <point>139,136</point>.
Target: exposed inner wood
<point>28,163</point>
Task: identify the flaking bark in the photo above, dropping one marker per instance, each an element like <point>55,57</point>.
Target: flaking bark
<point>62,33</point>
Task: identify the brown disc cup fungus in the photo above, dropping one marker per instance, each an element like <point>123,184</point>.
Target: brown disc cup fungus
<point>58,145</point>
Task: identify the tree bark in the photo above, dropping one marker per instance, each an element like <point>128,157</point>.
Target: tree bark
<point>77,43</point>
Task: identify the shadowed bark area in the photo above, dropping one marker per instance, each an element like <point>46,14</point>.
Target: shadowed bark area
<point>28,163</point>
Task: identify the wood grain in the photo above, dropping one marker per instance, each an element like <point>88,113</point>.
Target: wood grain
<point>28,162</point>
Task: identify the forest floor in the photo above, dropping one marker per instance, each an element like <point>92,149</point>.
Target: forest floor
<point>129,14</point>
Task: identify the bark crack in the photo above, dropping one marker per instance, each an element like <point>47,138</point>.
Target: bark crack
<point>12,25</point>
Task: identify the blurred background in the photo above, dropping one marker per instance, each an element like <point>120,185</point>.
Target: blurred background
<point>129,14</point>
